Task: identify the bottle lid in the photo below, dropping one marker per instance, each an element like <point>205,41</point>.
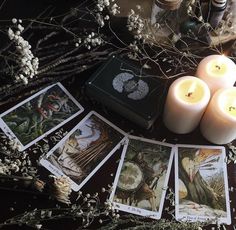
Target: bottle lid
<point>219,3</point>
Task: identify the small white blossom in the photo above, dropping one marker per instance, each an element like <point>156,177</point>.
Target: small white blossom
<point>106,2</point>
<point>4,169</point>
<point>14,20</point>
<point>200,18</point>
<point>135,22</point>
<point>11,34</point>
<point>28,63</point>
<point>115,9</point>
<point>100,20</point>
<point>92,40</point>
<point>38,226</point>
<point>20,27</point>
<point>106,17</point>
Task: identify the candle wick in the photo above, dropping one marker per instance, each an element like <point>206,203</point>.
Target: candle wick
<point>218,67</point>
<point>232,108</point>
<point>189,94</point>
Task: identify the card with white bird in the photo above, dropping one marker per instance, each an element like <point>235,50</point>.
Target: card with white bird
<point>201,184</point>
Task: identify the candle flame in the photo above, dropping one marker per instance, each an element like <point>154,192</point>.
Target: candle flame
<point>233,106</point>
<point>191,89</point>
<point>219,62</point>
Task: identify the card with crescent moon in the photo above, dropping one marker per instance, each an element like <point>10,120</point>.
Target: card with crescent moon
<point>142,177</point>
<point>84,149</point>
<point>39,115</point>
<point>201,184</point>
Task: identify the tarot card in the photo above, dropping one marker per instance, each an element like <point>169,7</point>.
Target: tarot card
<point>84,149</point>
<point>34,118</point>
<point>142,177</point>
<point>201,184</point>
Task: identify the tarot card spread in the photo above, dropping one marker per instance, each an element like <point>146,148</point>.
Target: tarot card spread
<point>84,149</point>
<point>142,177</point>
<point>34,118</point>
<point>201,184</point>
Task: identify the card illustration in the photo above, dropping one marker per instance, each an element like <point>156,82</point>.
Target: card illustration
<point>39,115</point>
<point>201,184</point>
<point>142,177</point>
<point>83,151</point>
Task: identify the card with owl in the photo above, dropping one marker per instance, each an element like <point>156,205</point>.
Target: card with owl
<point>84,149</point>
<point>201,184</point>
<point>142,177</point>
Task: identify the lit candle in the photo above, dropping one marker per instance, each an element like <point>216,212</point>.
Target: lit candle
<point>186,102</point>
<point>217,71</point>
<point>218,124</point>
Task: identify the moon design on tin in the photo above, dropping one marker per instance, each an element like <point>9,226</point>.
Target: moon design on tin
<point>131,176</point>
<point>135,89</point>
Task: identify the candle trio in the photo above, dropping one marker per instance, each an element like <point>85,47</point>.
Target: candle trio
<point>208,99</point>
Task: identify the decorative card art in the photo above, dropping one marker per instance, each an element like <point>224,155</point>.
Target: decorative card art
<point>37,116</point>
<point>201,184</point>
<point>142,177</point>
<point>84,149</point>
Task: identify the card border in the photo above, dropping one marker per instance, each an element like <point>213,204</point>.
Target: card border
<point>57,172</point>
<point>6,129</point>
<point>227,220</point>
<point>135,210</point>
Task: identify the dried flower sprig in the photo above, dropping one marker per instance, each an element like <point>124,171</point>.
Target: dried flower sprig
<point>139,223</point>
<point>86,209</point>
<point>14,162</point>
<point>61,189</point>
<point>28,63</point>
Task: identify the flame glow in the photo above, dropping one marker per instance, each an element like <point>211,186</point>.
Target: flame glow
<point>191,89</point>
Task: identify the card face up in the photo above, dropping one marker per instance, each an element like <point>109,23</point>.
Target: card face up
<point>142,177</point>
<point>34,118</point>
<point>201,184</point>
<point>84,149</point>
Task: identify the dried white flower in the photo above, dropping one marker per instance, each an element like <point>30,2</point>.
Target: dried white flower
<point>4,169</point>
<point>93,40</point>
<point>11,34</point>
<point>106,2</point>
<point>38,226</point>
<point>61,189</point>
<point>115,9</point>
<point>100,20</point>
<point>14,20</point>
<point>135,22</point>
<point>200,18</point>
<point>28,63</point>
<point>106,17</point>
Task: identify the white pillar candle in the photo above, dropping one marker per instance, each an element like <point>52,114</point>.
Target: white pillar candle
<point>218,124</point>
<point>218,71</point>
<point>186,102</point>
